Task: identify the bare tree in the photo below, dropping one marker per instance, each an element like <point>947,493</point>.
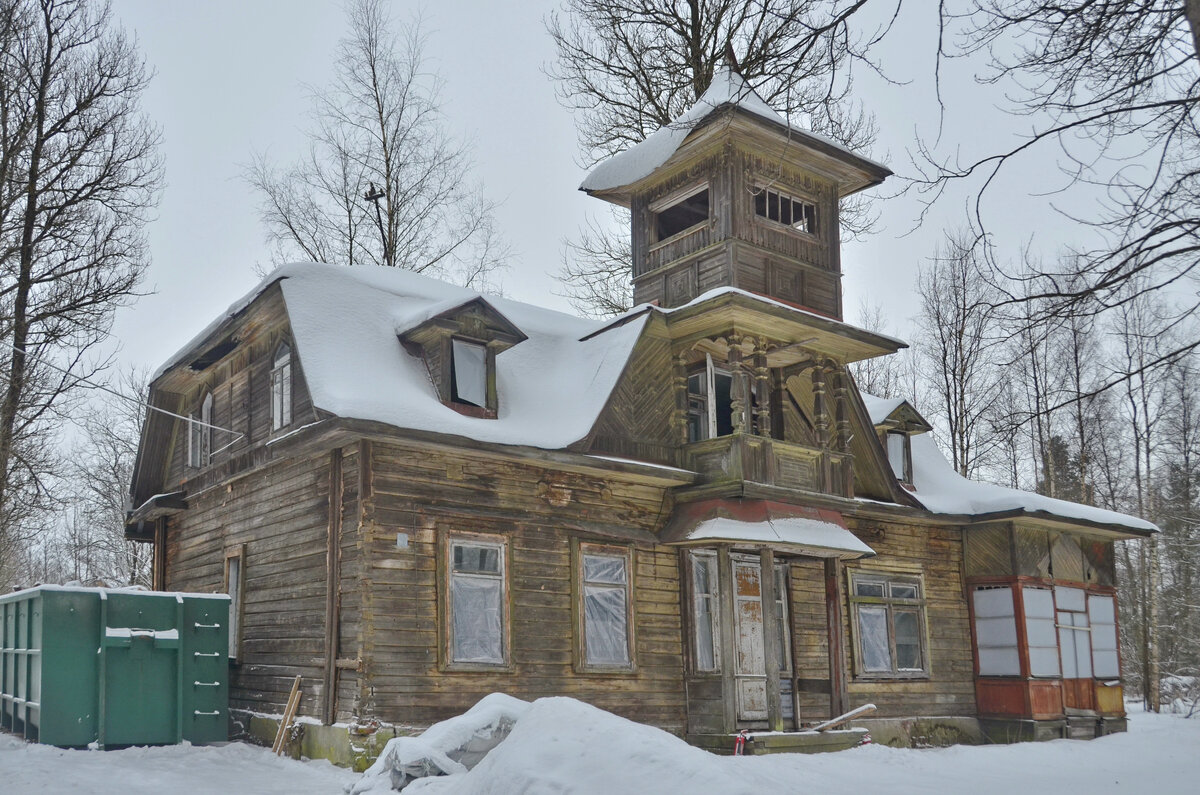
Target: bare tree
<point>1110,88</point>
<point>630,67</point>
<point>79,171</point>
<point>383,182</point>
<point>958,334</point>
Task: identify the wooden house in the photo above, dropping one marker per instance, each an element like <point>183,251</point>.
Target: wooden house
<point>688,515</point>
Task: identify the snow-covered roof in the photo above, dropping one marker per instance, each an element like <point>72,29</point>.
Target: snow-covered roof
<point>346,321</point>
<point>816,537</point>
<point>942,490</point>
<point>728,88</point>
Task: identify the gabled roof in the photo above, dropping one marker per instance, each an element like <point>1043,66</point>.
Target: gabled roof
<point>346,324</point>
<point>728,90</point>
<point>940,488</point>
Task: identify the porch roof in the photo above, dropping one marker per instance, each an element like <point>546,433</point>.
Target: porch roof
<point>798,529</point>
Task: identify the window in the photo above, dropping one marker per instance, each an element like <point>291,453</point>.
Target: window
<point>786,210</point>
<point>889,623</point>
<point>681,215</point>
<point>899,456</point>
<point>281,388</point>
<point>1103,615</point>
<point>604,581</point>
<point>1039,631</point>
<point>996,632</point>
<point>705,611</point>
<point>710,402</point>
<point>235,587</point>
<point>477,602</point>
<point>200,434</point>
<point>469,373</point>
<point>1073,642</point>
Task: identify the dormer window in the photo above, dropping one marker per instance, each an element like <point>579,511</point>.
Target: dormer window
<point>200,434</point>
<point>281,387</point>
<point>677,214</point>
<point>469,377</point>
<point>899,453</point>
<point>787,210</point>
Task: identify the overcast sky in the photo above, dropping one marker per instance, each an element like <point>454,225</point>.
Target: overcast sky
<point>231,80</point>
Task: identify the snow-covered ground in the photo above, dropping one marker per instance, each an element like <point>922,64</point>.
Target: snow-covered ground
<point>562,746</point>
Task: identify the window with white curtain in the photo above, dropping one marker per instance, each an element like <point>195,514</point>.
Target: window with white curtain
<point>469,372</point>
<point>477,596</point>
<point>604,581</point>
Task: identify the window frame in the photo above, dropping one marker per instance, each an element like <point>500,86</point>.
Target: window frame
<point>237,602</point>
<point>891,605</point>
<point>674,199</point>
<point>200,433</point>
<point>765,191</point>
<point>579,550</point>
<point>282,381</point>
<point>711,558</point>
<point>446,601</point>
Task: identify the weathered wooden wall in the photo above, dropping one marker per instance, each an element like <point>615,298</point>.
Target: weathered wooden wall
<point>936,553</point>
<point>428,496</point>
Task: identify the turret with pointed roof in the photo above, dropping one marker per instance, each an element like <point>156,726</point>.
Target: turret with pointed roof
<point>732,195</point>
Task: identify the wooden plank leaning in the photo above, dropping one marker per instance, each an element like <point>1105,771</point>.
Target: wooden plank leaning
<point>289,714</point>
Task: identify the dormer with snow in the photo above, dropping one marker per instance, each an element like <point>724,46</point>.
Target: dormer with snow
<point>732,195</point>
<point>459,343</point>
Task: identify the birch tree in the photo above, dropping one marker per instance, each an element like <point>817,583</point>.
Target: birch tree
<point>383,182</point>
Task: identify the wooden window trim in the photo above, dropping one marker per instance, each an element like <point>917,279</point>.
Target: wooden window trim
<point>920,603</point>
<point>578,550</point>
<point>445,569</point>
<point>237,613</point>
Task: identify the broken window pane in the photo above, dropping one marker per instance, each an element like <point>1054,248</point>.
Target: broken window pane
<point>470,373</point>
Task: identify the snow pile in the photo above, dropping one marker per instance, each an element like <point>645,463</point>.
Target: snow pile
<point>447,748</point>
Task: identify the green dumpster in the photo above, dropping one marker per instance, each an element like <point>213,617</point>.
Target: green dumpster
<point>111,667</point>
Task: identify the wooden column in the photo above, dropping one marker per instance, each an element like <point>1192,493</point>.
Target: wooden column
<point>725,587</point>
<point>771,639</point>
<point>762,390</point>
<point>332,586</point>
<point>833,622</point>
<point>844,432</point>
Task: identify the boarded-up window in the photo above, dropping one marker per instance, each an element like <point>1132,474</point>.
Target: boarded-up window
<point>1103,615</point>
<point>1040,632</point>
<point>704,611</point>
<point>889,623</point>
<point>605,591</point>
<point>477,597</point>
<point>469,361</point>
<point>281,388</point>
<point>996,632</point>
